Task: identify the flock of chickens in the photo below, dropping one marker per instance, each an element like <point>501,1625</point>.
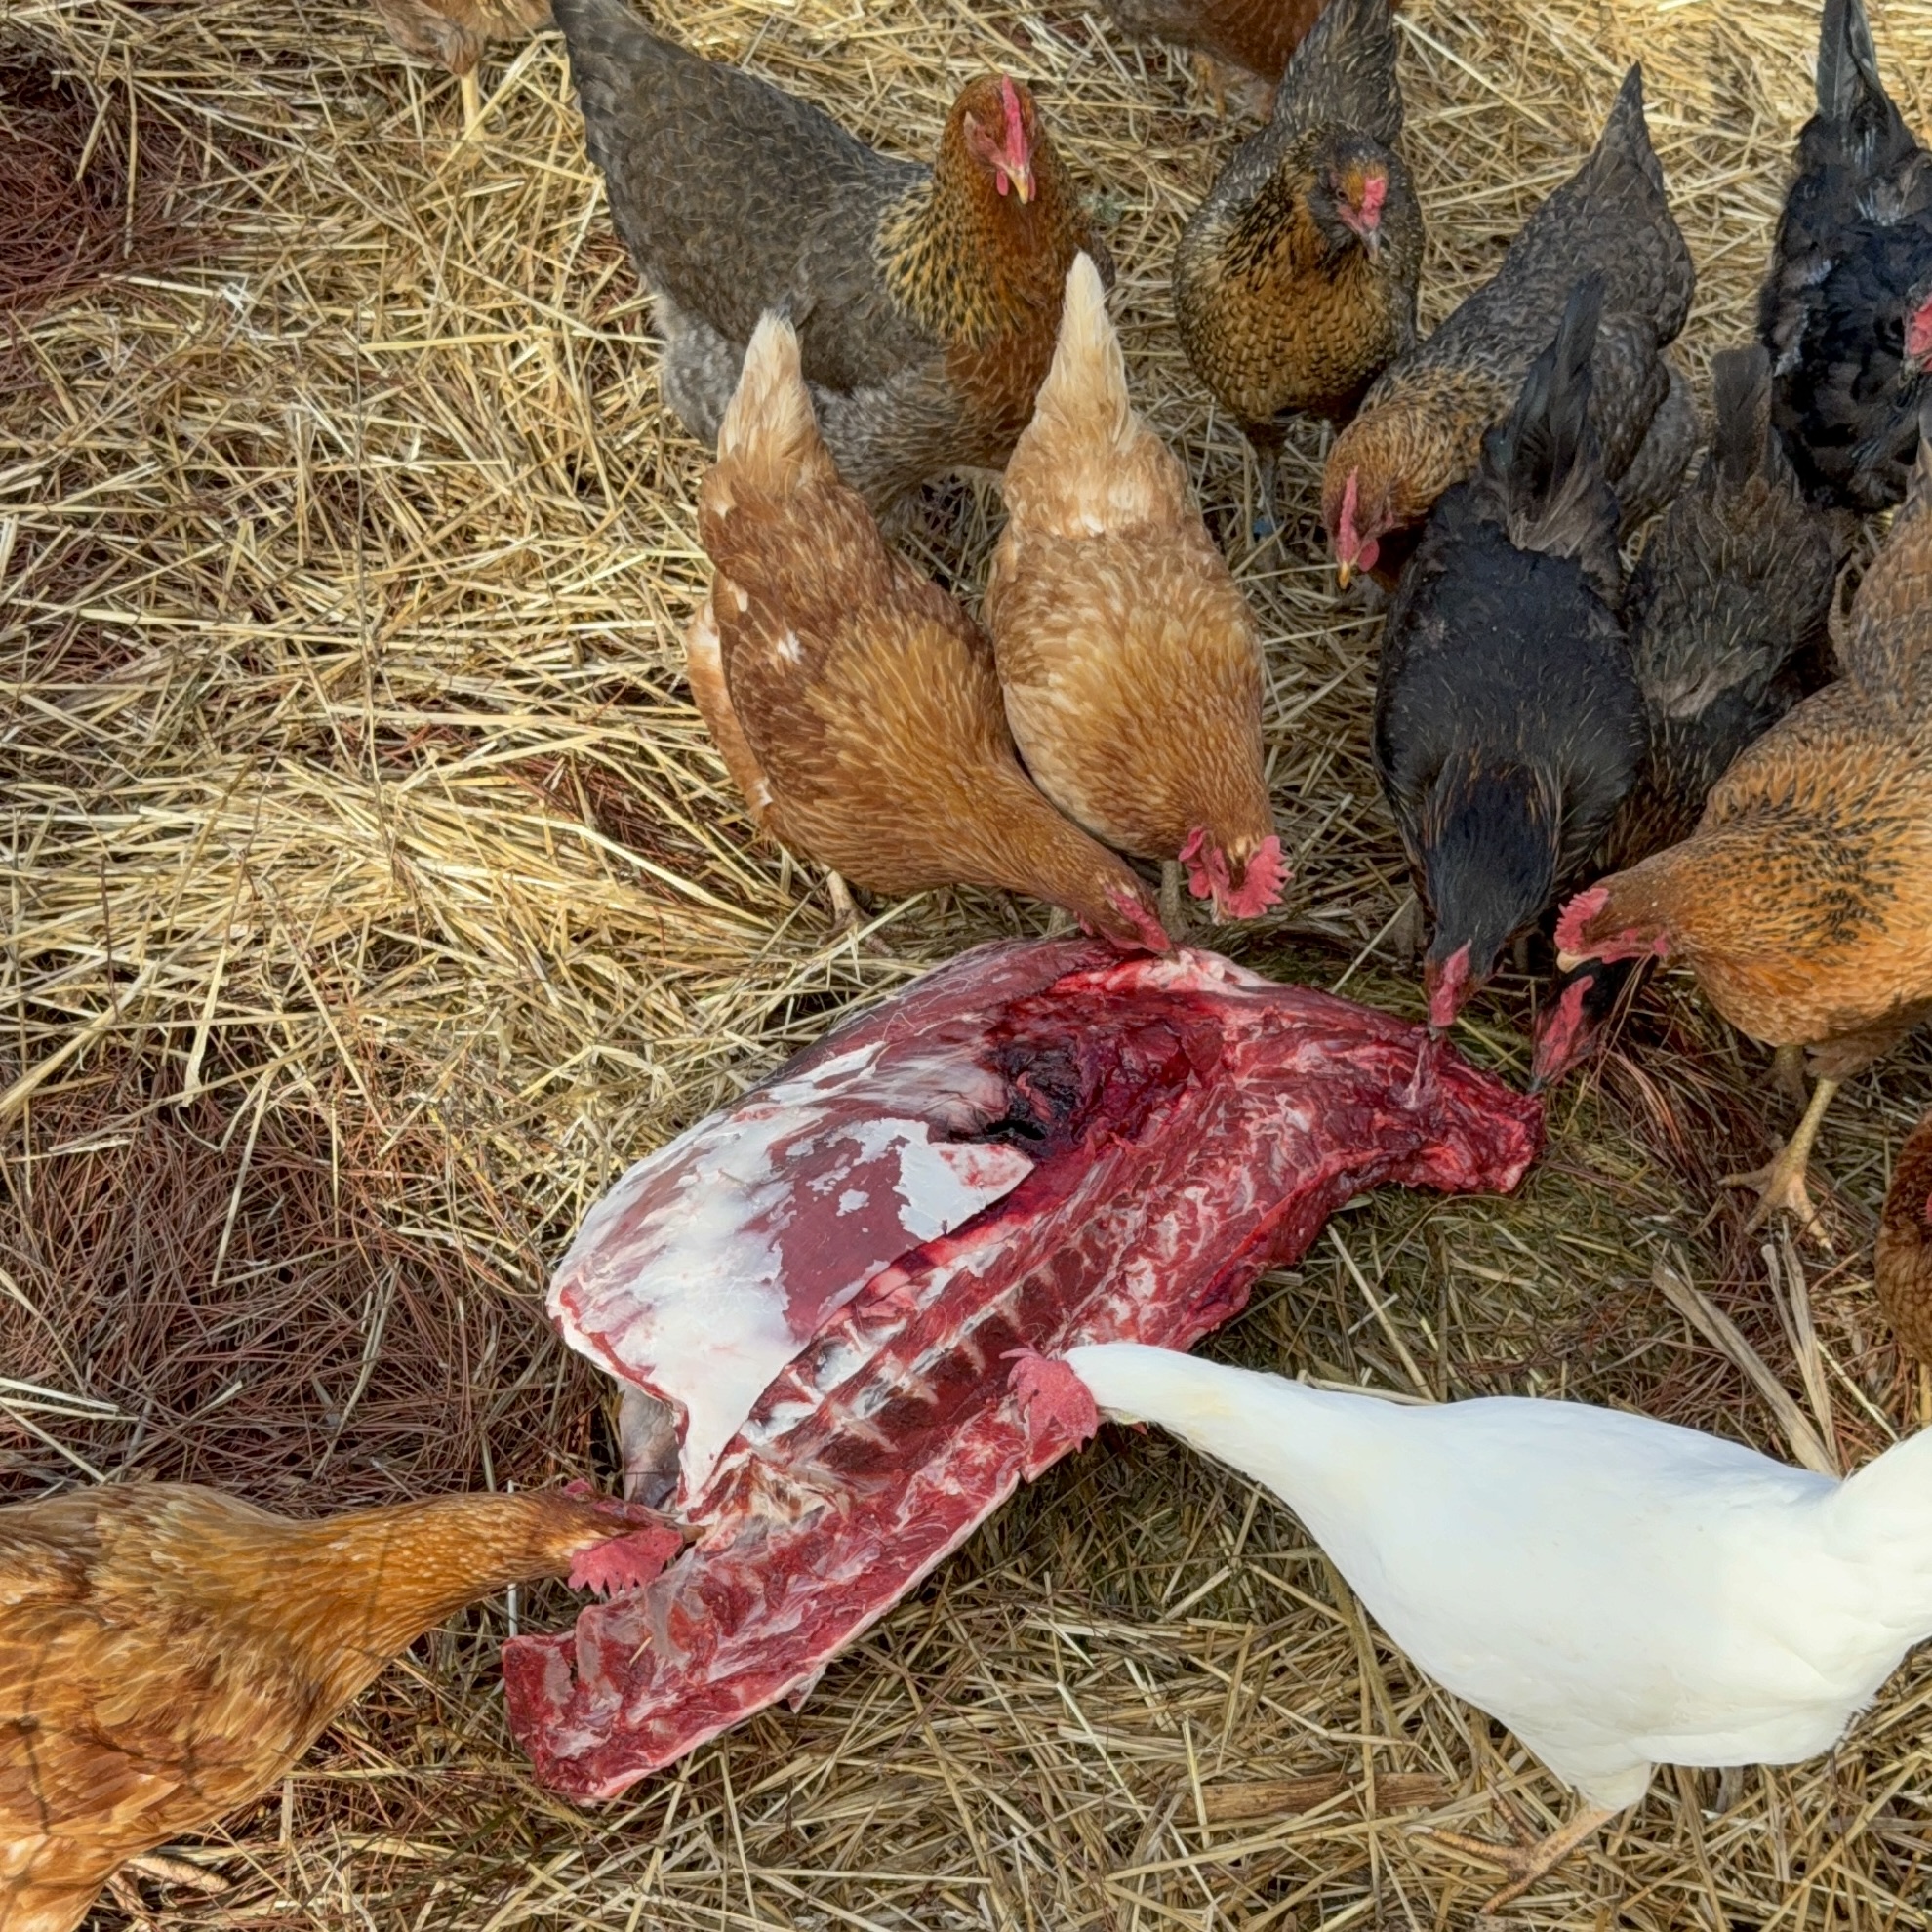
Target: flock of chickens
<point>1719,760</point>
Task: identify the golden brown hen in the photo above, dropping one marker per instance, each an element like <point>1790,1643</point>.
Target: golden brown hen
<point>167,1652</point>
<point>855,704</point>
<point>1295,280</point>
<point>1131,667</point>
<point>1256,35</point>
<point>1803,900</point>
<point>1420,428</point>
<point>1902,1265</point>
<point>452,33</point>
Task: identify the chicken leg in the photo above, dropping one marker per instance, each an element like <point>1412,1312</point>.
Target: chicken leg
<point>1527,1859</point>
<point>1780,1186</point>
<point>472,103</point>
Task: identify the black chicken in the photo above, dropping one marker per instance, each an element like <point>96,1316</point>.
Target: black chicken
<point>1728,630</point>
<point>1846,310</point>
<point>1509,725</point>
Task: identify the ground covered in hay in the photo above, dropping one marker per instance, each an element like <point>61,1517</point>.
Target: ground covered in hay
<point>375,896</point>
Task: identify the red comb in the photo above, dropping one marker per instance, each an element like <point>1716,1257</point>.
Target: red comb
<point>1578,914</point>
<point>1375,192</point>
<point>624,1562</point>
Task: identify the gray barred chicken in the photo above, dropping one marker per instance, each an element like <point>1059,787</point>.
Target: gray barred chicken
<point>1420,428</point>
<point>1295,281</point>
<point>926,300</point>
<point>1728,613</point>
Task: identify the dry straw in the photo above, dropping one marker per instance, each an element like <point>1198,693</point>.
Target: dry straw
<point>374,895</point>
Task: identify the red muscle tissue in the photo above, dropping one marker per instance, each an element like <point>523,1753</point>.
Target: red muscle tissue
<point>825,1287</point>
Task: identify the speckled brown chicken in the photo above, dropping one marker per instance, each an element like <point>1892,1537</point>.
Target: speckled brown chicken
<point>855,704</point>
<point>1131,667</point>
<point>1902,1264</point>
<point>1803,900</point>
<point>1421,426</point>
<point>1255,35</point>
<point>452,33</point>
<point>925,298</point>
<point>1295,280</point>
<point>167,1652</point>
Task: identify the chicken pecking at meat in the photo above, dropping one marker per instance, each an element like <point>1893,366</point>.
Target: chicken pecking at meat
<point>1421,426</point>
<point>1257,36</point>
<point>1728,615</point>
<point>855,704</point>
<point>1803,900</point>
<point>1130,663</point>
<point>1507,720</point>
<point>167,1652</point>
<point>1846,310</point>
<point>452,33</point>
<point>925,298</point>
<point>1295,280</point>
<point>1902,1265</point>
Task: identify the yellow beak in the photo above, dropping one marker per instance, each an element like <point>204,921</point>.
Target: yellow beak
<point>1344,573</point>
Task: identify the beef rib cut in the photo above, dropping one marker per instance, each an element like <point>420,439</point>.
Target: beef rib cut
<point>1040,1145</point>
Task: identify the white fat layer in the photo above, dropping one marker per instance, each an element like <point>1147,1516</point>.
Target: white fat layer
<point>679,1279</point>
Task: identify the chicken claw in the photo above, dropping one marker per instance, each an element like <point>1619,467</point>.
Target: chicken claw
<point>1528,1858</point>
<point>1781,1187</point>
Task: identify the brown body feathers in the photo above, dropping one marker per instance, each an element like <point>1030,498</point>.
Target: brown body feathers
<point>1131,668</point>
<point>1902,1265</point>
<point>1257,35</point>
<point>855,702</point>
<point>167,1652</point>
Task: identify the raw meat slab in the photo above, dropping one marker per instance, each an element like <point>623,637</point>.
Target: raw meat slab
<point>1059,1145</point>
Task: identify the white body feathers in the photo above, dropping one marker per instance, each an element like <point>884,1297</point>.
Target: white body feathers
<point>1618,1591</point>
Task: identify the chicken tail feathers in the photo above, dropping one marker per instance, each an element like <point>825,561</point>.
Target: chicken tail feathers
<point>1542,470</point>
<point>769,438</point>
<point>1344,72</point>
<point>1086,387</point>
<point>1626,134</point>
<point>1742,441</point>
<point>1847,63</point>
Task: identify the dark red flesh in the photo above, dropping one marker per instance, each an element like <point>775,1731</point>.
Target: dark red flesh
<point>1192,1126</point>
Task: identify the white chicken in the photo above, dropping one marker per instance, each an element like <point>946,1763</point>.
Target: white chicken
<point>1621,1593</point>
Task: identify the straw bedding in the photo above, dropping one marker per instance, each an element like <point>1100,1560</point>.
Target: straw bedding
<point>374,895</point>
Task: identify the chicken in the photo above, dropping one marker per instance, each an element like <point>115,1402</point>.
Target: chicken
<point>1295,280</point>
<point>1803,900</point>
<point>855,704</point>
<point>1255,35</point>
<point>1847,309</point>
<point>167,1652</point>
<point>452,33</point>
<point>1131,667</point>
<point>925,298</point>
<point>1421,426</point>
<point>1728,615</point>
<point>1902,1265</point>
<point>1618,1591</point>
<point>1507,720</point>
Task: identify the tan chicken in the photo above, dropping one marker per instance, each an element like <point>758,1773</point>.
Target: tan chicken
<point>167,1652</point>
<point>1902,1265</point>
<point>1131,667</point>
<point>453,34</point>
<point>855,704</point>
<point>1419,428</point>
<point>1803,900</point>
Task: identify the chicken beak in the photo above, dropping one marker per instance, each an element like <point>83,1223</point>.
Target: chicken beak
<point>1568,962</point>
<point>1345,573</point>
<point>1021,178</point>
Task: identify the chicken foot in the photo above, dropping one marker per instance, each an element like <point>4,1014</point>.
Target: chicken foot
<point>1781,1187</point>
<point>1528,1858</point>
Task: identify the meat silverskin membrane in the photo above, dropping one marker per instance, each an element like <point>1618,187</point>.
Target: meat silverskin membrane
<point>1081,1149</point>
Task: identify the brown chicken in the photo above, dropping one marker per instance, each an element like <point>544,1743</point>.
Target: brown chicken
<point>1803,900</point>
<point>1421,426</point>
<point>1902,1265</point>
<point>1131,665</point>
<point>1295,281</point>
<point>452,33</point>
<point>167,1652</point>
<point>855,704</point>
<point>1255,35</point>
<point>925,300</point>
